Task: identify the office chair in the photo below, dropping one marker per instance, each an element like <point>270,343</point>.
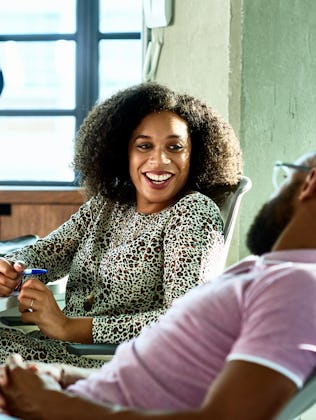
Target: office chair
<point>229,213</point>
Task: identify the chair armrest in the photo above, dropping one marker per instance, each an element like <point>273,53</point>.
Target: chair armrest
<point>91,349</point>
<point>13,321</point>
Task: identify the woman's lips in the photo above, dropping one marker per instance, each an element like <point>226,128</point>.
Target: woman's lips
<point>158,180</point>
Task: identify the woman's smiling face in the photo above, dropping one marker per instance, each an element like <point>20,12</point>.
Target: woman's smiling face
<point>159,154</point>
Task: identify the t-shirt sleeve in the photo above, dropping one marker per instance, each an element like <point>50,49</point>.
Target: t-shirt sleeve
<point>279,318</point>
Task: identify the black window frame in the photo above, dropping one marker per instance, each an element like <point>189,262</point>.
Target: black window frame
<point>87,38</point>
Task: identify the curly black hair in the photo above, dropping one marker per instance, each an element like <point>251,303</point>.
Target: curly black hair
<point>101,148</point>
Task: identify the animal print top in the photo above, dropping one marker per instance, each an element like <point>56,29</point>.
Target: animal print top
<point>133,264</point>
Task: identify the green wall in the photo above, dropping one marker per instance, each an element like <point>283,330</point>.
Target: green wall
<point>278,91</point>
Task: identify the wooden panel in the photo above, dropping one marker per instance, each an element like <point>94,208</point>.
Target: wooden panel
<point>37,212</point>
<point>33,196</point>
<point>38,219</point>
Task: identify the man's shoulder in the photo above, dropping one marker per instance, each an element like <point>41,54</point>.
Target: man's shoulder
<point>284,279</point>
<point>259,275</point>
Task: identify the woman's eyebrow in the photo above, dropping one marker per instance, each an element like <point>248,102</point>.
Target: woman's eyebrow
<point>141,136</point>
<point>171,137</point>
<point>177,136</point>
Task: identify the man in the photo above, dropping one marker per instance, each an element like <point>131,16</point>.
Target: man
<point>237,348</point>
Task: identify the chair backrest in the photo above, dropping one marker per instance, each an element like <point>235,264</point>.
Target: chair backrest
<point>229,212</point>
<point>302,401</point>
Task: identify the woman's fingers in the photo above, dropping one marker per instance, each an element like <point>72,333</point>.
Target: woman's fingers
<point>32,295</point>
<point>38,306</point>
<point>9,276</point>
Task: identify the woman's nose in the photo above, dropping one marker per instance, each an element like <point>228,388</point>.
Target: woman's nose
<point>160,156</point>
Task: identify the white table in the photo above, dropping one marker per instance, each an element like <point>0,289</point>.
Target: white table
<point>8,302</point>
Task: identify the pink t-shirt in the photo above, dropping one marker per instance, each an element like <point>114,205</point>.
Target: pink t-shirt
<point>260,310</point>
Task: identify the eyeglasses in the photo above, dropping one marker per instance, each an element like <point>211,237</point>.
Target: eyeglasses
<point>283,170</point>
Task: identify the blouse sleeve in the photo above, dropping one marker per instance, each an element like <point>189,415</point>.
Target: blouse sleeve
<point>192,245</point>
<point>55,252</point>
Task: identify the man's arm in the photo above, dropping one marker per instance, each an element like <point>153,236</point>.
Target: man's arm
<point>247,391</point>
<point>64,374</point>
<point>243,391</point>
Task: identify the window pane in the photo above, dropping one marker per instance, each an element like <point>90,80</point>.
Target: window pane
<point>38,74</point>
<point>120,15</point>
<point>40,148</point>
<point>120,65</point>
<point>37,16</point>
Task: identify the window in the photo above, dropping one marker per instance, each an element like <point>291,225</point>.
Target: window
<point>58,58</point>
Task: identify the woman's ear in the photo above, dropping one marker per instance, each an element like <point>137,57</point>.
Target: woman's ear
<point>308,189</point>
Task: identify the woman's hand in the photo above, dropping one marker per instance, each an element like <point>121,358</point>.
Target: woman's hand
<point>38,305</point>
<point>10,276</point>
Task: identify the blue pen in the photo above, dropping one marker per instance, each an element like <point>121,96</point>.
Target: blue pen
<point>30,272</point>
<point>34,271</point>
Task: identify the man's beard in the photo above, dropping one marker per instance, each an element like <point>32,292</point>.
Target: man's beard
<point>271,221</point>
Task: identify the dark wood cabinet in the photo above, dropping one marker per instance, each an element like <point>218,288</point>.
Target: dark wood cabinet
<point>37,211</point>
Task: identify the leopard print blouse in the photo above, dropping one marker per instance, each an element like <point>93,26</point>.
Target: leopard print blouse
<point>132,266</point>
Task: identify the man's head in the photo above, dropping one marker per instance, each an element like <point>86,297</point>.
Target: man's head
<point>277,212</point>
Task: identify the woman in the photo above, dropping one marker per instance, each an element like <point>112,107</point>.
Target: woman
<point>148,159</point>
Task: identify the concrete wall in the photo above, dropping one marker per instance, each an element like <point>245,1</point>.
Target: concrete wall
<point>255,62</point>
<point>278,90</point>
<point>195,55</point>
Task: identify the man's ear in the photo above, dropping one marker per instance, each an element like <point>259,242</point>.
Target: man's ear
<point>308,189</point>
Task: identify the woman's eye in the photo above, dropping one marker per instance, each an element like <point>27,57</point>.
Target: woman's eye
<point>143,146</point>
<point>175,147</point>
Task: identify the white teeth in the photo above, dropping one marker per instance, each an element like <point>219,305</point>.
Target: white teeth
<point>158,178</point>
